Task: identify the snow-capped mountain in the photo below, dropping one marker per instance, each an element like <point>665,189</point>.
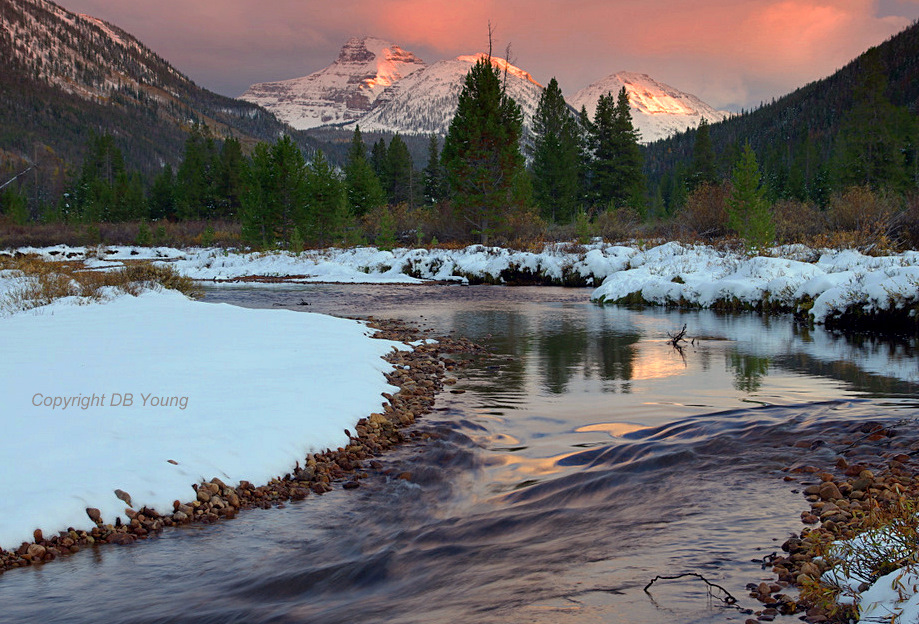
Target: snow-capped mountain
<point>343,91</point>
<point>425,102</point>
<point>658,110</point>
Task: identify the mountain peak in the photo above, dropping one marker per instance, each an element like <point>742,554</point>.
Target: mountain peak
<point>501,64</point>
<point>341,92</point>
<point>658,110</point>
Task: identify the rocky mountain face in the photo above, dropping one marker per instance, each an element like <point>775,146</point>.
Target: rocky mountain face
<point>64,75</point>
<point>658,110</point>
<point>342,92</point>
<point>425,102</point>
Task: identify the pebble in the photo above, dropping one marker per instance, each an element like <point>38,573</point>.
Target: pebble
<point>420,375</point>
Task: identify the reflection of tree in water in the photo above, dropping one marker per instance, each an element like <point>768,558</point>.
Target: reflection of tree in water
<point>749,371</point>
<point>614,356</point>
<point>568,349</point>
<point>563,353</point>
<point>507,334</point>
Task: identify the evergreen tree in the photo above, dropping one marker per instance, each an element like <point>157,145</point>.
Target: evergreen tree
<point>196,178</point>
<point>378,161</point>
<point>162,196</point>
<point>231,175</point>
<point>749,212</point>
<point>877,141</point>
<point>435,178</point>
<point>703,169</point>
<point>363,186</point>
<point>326,207</point>
<point>400,173</point>
<point>556,156</point>
<point>618,179</point>
<point>481,153</point>
<point>276,195</point>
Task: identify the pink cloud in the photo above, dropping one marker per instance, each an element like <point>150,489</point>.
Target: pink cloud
<point>728,51</point>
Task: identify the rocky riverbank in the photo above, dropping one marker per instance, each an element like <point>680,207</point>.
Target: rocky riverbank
<point>420,373</point>
<point>873,482</point>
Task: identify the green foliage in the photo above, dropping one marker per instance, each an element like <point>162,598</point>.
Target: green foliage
<point>295,244</point>
<point>363,186</point>
<point>435,178</point>
<point>197,176</point>
<point>582,226</point>
<point>556,156</point>
<point>325,214</point>
<point>161,200</point>
<point>481,153</point>
<point>144,235</point>
<point>749,212</point>
<point>13,204</point>
<point>276,194</point>
<point>703,169</point>
<point>386,234</point>
<point>876,145</point>
<point>617,177</point>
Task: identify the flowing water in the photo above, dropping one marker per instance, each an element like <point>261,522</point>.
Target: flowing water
<point>582,459</point>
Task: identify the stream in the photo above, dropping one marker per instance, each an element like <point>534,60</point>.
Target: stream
<point>581,459</point>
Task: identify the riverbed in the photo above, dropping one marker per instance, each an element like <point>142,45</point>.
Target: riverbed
<point>581,459</point>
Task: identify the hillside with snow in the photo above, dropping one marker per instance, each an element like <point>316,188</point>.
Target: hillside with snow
<point>343,91</point>
<point>425,102</point>
<point>64,75</point>
<point>658,110</point>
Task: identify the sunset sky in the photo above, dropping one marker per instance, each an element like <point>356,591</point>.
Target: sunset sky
<point>731,53</point>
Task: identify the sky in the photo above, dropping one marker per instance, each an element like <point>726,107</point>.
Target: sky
<point>731,53</point>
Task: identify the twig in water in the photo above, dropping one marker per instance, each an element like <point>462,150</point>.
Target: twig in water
<point>728,598</point>
<point>677,338</point>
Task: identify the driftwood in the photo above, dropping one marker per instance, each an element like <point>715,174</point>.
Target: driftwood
<point>728,598</point>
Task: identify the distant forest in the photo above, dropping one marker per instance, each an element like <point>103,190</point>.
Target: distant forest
<point>834,163</point>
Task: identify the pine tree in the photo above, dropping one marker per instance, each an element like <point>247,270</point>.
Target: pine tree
<point>435,179</point>
<point>749,212</point>
<point>555,156</point>
<point>876,145</point>
<point>703,169</point>
<point>196,178</point>
<point>481,153</point>
<point>363,186</point>
<point>326,206</point>
<point>275,200</point>
<point>162,196</point>
<point>230,179</point>
<point>617,174</point>
<point>400,173</point>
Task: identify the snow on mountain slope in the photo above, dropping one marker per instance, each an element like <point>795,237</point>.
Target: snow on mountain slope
<point>425,102</point>
<point>79,54</point>
<point>658,110</point>
<point>343,91</point>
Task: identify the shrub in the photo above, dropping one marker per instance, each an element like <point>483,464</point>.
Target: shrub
<point>705,212</point>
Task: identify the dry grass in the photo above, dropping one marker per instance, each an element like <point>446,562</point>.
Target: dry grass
<point>48,281</point>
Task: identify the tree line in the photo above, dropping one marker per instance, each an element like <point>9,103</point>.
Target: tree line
<point>487,182</point>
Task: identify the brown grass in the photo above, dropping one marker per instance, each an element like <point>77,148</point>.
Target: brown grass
<point>55,280</point>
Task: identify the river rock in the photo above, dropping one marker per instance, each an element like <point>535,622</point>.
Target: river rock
<point>94,514</point>
<point>828,491</point>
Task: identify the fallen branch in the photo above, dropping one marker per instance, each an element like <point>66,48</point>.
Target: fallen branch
<point>677,338</point>
<point>728,598</point>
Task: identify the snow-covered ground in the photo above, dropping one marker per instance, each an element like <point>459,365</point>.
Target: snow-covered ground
<point>893,597</point>
<point>105,396</point>
<point>826,283</point>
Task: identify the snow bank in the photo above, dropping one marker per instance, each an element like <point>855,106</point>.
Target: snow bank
<point>825,285</point>
<point>838,283</point>
<point>583,265</point>
<point>101,397</point>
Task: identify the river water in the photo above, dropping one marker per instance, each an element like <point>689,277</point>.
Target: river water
<point>581,459</point>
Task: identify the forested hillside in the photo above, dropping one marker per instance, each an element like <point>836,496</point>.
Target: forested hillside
<point>798,138</point>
